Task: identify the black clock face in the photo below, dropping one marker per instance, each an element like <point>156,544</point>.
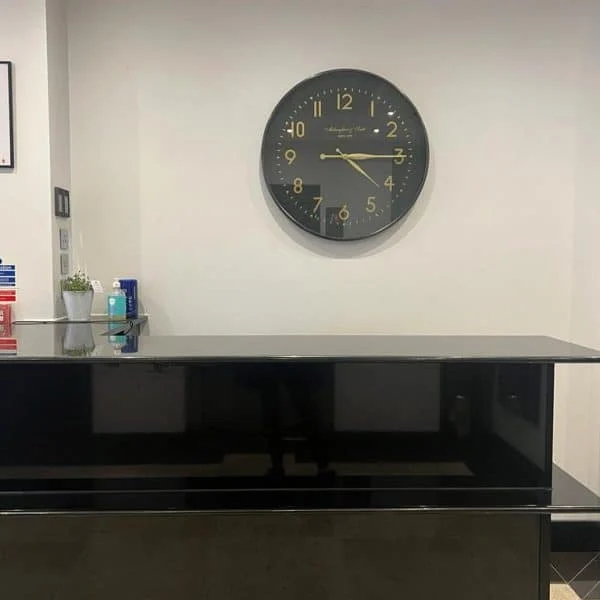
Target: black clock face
<point>345,154</point>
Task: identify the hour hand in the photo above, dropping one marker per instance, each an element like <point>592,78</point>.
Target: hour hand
<point>360,156</point>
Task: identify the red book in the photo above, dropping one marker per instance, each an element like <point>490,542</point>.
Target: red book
<point>8,344</point>
<point>8,295</point>
<point>5,317</point>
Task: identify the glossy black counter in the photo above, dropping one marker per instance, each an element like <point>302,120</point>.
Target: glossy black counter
<point>313,422</point>
<point>46,342</point>
<point>288,556</point>
<point>327,467</point>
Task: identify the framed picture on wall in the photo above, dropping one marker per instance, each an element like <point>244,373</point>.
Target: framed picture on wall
<point>7,158</point>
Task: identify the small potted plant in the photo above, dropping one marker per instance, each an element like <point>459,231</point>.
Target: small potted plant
<point>78,295</point>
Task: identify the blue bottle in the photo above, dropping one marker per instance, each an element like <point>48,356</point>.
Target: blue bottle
<point>130,287</point>
<point>117,303</point>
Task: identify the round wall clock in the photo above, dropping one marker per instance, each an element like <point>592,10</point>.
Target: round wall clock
<point>345,154</point>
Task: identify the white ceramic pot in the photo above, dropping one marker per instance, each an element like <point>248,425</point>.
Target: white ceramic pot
<point>78,305</point>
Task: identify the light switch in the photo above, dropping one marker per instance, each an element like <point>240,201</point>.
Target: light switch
<point>64,264</point>
<point>64,239</point>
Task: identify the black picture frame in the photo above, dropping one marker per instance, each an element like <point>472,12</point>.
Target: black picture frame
<point>7,147</point>
<point>62,203</point>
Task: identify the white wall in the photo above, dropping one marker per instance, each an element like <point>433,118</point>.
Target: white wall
<point>169,102</point>
<point>25,216</point>
<point>60,134</point>
<point>577,443</point>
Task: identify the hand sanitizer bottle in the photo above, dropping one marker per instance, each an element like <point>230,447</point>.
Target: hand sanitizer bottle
<point>117,304</point>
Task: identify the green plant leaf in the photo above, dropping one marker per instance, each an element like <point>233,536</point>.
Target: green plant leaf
<point>79,282</point>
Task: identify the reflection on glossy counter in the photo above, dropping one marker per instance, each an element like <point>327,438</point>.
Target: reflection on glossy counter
<point>91,342</point>
<point>196,423</point>
<point>354,434</point>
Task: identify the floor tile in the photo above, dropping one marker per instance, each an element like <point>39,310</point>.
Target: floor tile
<point>587,580</point>
<point>569,564</point>
<point>555,576</point>
<point>561,591</point>
<point>594,593</point>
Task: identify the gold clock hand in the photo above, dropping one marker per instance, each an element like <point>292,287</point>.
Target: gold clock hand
<point>356,166</point>
<point>360,156</point>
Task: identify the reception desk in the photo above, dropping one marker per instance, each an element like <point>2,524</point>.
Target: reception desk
<point>280,466</point>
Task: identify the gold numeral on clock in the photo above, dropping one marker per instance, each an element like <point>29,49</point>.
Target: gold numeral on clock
<point>298,185</point>
<point>389,183</point>
<point>318,200</point>
<point>317,108</point>
<point>344,101</point>
<point>400,156</point>
<point>393,128</point>
<point>372,108</point>
<point>290,156</point>
<point>344,213</point>
<point>371,206</point>
<point>297,129</point>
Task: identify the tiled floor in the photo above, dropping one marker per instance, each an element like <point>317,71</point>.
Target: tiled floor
<point>575,575</point>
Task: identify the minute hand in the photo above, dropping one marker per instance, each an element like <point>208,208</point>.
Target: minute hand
<point>356,166</point>
<point>359,156</point>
